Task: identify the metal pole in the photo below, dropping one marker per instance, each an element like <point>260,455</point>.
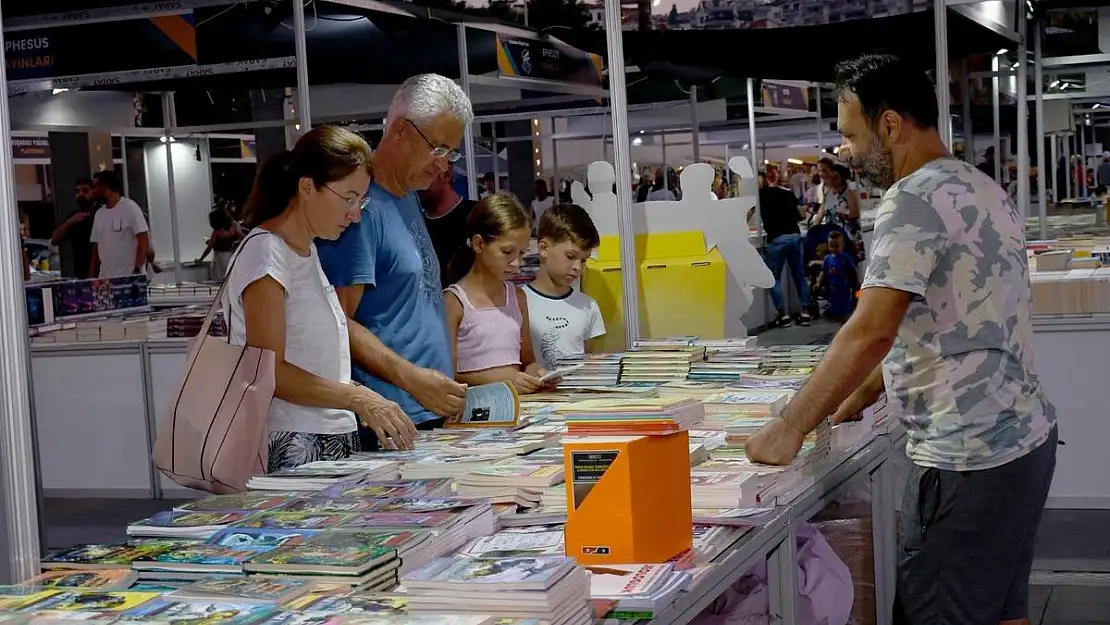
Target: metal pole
<point>820,122</point>
<point>1083,158</point>
<point>969,136</point>
<point>1038,91</point>
<point>1068,177</point>
<point>17,449</point>
<point>169,116</point>
<point>493,148</point>
<point>695,132</point>
<point>623,166</point>
<point>1055,156</point>
<point>663,145</point>
<point>304,112</point>
<point>728,173</point>
<point>468,131</point>
<point>944,94</point>
<point>1023,121</point>
<point>123,165</point>
<point>996,105</point>
<point>751,144</point>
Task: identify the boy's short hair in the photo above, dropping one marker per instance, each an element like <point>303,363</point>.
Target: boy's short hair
<point>835,236</point>
<point>569,222</point>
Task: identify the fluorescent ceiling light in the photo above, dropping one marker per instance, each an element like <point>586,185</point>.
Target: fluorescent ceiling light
<point>794,161</point>
<point>1054,84</point>
<point>57,91</point>
<point>1002,51</point>
<point>163,139</point>
<point>637,141</point>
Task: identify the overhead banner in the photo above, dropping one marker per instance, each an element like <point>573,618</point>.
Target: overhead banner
<point>785,96</point>
<point>105,47</point>
<point>547,60</point>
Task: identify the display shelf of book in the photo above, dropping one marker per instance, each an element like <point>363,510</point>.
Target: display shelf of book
<point>753,548</point>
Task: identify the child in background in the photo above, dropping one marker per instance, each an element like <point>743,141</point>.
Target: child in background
<point>561,318</point>
<point>487,318</point>
<point>838,277</point>
<point>221,243</point>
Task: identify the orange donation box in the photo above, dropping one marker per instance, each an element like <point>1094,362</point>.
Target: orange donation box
<point>628,498</point>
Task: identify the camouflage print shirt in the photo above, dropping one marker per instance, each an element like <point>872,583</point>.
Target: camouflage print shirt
<point>961,370</point>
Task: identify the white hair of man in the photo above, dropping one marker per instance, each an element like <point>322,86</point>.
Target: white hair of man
<point>424,97</point>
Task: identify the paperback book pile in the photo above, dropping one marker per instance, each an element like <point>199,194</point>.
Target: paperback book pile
<point>183,524</point>
<point>778,356</point>
<point>720,489</point>
<point>363,559</point>
<point>752,402</point>
<point>640,591</point>
<point>324,473</point>
<point>659,366</point>
<point>633,417</point>
<point>726,360</point>
<point>510,482</point>
<point>550,589</point>
<point>593,370</point>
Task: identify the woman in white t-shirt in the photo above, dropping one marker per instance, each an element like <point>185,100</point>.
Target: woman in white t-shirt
<point>278,299</point>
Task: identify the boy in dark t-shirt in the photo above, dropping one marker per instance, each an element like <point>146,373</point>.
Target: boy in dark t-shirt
<point>839,279</point>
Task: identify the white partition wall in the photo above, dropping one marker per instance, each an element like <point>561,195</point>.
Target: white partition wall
<point>193,182</point>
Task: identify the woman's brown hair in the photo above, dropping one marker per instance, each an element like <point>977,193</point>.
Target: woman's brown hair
<point>324,154</point>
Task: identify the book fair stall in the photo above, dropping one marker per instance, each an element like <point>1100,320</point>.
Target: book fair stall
<point>623,495</point>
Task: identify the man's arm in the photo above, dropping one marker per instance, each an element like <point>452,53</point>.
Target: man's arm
<point>430,388</point>
<point>853,356</point>
<point>142,245</point>
<point>867,394</point>
<point>94,262</point>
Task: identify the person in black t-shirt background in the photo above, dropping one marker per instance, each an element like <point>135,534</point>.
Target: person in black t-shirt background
<point>780,212</point>
<point>445,214</point>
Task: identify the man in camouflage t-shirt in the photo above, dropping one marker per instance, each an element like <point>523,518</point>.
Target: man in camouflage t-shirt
<point>945,309</point>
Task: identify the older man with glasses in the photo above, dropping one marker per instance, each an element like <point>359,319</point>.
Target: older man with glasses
<point>385,269</point>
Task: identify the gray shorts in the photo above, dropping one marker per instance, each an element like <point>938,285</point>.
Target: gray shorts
<point>965,548</point>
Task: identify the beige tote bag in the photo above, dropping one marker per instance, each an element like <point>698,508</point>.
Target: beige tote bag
<point>214,435</point>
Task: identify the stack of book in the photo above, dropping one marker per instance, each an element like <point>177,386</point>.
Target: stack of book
<point>448,465</point>
<point>633,417</point>
<point>778,356</point>
<point>596,370</point>
<point>639,590</point>
<point>324,473</point>
<point>752,402</point>
<point>510,482</point>
<point>184,524</point>
<point>659,366</point>
<point>720,489</point>
<point>551,589</point>
<point>365,560</point>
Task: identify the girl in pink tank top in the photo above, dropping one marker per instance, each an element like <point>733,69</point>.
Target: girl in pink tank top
<point>487,317</point>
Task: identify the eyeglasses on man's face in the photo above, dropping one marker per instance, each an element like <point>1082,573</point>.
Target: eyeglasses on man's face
<point>438,151</point>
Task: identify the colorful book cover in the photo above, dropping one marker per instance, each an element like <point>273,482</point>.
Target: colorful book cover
<point>400,519</point>
<point>327,506</point>
<point>252,538</point>
<point>18,597</point>
<point>92,601</point>
<point>104,579</point>
<point>207,555</point>
<point>324,556</point>
<point>373,603</point>
<point>250,502</point>
<point>300,618</point>
<point>390,539</point>
<point>163,610</point>
<point>543,570</point>
<point>295,520</point>
<point>245,587</point>
<point>422,505</point>
<point>177,518</point>
<point>108,555</point>
<point>390,490</point>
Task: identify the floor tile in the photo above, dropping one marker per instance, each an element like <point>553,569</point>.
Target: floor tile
<point>1073,605</point>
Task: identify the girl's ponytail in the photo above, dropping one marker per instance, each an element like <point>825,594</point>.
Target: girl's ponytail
<point>462,260</point>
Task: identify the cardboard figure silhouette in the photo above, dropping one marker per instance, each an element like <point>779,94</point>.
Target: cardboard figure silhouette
<point>721,222</point>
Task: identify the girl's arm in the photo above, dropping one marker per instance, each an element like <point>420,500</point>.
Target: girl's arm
<point>264,316</point>
<point>853,205</point>
<point>454,312</point>
<point>527,355</point>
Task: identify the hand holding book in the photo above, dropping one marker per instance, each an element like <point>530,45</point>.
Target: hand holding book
<point>384,417</point>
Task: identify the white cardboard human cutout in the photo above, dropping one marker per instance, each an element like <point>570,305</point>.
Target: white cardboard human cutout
<point>722,223</point>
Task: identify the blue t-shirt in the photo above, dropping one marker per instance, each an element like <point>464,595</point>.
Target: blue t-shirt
<point>839,270</point>
<point>390,253</point>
